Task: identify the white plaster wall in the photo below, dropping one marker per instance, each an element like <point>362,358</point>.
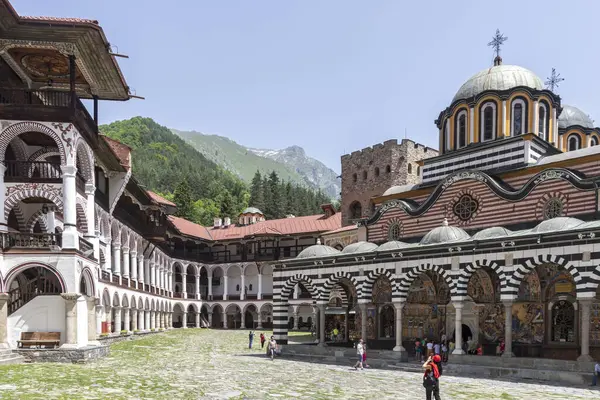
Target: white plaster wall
<point>267,284</point>
<point>82,322</point>
<point>42,314</point>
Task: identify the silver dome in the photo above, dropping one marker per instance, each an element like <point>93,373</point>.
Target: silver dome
<point>359,247</point>
<point>574,116</point>
<point>398,189</point>
<point>443,234</point>
<point>252,210</point>
<point>498,77</point>
<point>393,245</point>
<point>557,224</point>
<point>493,232</point>
<point>318,250</point>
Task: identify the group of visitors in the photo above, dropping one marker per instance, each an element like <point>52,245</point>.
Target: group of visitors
<point>271,348</point>
<point>361,354</point>
<point>428,348</point>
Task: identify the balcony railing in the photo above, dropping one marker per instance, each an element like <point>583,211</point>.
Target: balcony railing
<point>36,171</point>
<point>86,247</point>
<point>106,276</point>
<point>30,241</point>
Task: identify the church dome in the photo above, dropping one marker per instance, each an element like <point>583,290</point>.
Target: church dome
<point>574,116</point>
<point>252,210</point>
<point>398,189</point>
<point>499,77</point>
<point>557,224</point>
<point>443,234</point>
<point>359,247</point>
<point>490,233</point>
<point>393,245</point>
<point>318,250</point>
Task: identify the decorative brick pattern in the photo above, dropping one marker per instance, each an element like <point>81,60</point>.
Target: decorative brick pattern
<point>37,216</point>
<point>412,274</point>
<point>366,289</point>
<point>22,127</point>
<point>530,264</point>
<point>17,193</point>
<point>469,269</point>
<point>334,280</point>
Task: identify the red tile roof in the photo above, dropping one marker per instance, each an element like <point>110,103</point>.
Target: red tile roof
<point>159,199</point>
<point>276,227</point>
<point>189,228</point>
<point>344,229</point>
<point>121,151</point>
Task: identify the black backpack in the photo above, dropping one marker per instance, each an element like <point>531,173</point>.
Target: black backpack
<point>440,368</point>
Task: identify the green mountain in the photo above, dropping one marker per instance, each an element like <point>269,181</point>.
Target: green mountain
<point>290,164</point>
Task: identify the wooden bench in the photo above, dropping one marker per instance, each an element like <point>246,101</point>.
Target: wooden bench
<point>38,339</point>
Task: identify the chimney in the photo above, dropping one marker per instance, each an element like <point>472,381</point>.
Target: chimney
<point>226,222</point>
<point>217,222</point>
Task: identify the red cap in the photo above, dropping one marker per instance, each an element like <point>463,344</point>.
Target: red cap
<point>437,358</point>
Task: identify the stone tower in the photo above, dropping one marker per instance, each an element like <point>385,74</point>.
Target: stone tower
<point>371,171</point>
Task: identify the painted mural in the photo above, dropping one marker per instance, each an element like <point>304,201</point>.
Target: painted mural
<point>528,323</point>
<point>481,288</point>
<point>491,322</point>
<point>420,320</point>
<point>595,324</point>
<point>387,322</point>
<point>382,291</point>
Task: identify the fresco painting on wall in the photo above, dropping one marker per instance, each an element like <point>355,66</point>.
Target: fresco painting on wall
<point>528,323</point>
<point>480,287</point>
<point>419,321</point>
<point>491,322</point>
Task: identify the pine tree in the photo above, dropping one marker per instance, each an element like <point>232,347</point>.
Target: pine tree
<point>275,192</point>
<point>183,198</point>
<point>267,209</point>
<point>227,205</point>
<point>257,197</point>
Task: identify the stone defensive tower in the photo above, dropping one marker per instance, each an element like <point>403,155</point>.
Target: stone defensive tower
<point>371,171</point>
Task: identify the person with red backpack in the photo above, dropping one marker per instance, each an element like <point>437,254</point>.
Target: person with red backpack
<point>431,378</point>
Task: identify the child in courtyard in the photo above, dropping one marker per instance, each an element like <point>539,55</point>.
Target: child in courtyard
<point>272,347</point>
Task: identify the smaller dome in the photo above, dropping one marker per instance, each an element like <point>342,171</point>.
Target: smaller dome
<point>557,224</point>
<point>574,116</point>
<point>359,247</point>
<point>443,234</point>
<point>493,232</point>
<point>393,245</point>
<point>398,189</point>
<point>252,210</point>
<point>318,250</point>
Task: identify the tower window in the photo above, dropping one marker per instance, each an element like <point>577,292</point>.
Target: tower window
<point>488,119</point>
<point>573,142</point>
<point>354,177</point>
<point>519,119</point>
<point>461,130</point>
<point>418,170</point>
<point>365,175</point>
<point>409,168</point>
<point>376,171</point>
<point>388,169</point>
<point>593,141</point>
<point>542,123</point>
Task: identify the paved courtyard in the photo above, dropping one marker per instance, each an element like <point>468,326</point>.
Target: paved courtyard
<point>203,364</point>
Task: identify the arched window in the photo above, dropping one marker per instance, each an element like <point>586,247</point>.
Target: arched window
<point>376,171</point>
<point>355,210</point>
<point>418,170</point>
<point>573,142</point>
<point>388,169</point>
<point>409,168</point>
<point>488,121</point>
<point>354,177</point>
<point>461,129</point>
<point>543,121</point>
<point>593,141</point>
<point>519,117</point>
<point>563,322</point>
<point>364,175</point>
<point>446,136</point>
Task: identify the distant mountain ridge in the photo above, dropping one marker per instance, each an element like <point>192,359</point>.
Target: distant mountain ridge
<point>290,163</point>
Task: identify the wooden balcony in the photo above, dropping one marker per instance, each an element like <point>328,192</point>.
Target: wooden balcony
<point>39,172</point>
<point>47,105</point>
<point>49,241</point>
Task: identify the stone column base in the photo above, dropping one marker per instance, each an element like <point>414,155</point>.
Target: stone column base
<point>458,352</point>
<point>70,346</point>
<point>585,358</point>
<point>507,355</point>
<point>322,344</point>
<point>399,348</point>
<point>94,343</point>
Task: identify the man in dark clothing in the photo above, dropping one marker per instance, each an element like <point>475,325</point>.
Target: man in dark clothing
<point>431,378</point>
<point>250,339</point>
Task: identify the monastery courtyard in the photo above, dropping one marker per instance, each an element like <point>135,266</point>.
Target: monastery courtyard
<point>208,364</point>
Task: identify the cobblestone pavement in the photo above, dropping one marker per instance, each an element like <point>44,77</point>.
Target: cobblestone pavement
<point>203,364</point>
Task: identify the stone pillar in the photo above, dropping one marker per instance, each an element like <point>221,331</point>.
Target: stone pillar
<point>156,325</point>
<point>471,126</point>
<point>127,319</point>
<point>152,320</point>
<point>321,324</point>
<point>70,237</point>
<point>71,319</point>
<point>117,328</point>
<point>117,258</point>
<point>296,315</point>
<point>134,320</point>
<point>259,323</point>
<point>363,321</point>
<point>141,271</point>
<point>140,323</point>
<point>147,320</point>
<point>259,295</point>
<point>3,225</point>
<point>508,305</point>
<point>4,297</point>
<point>92,325</point>
<point>92,234</point>
<point>197,320</point>
<point>242,287</point>
<point>399,307</point>
<point>197,287</point>
<point>125,251</point>
<point>536,118</point>
<point>161,320</point>
<point>133,267</point>
<point>225,287</point>
<point>295,295</point>
<point>184,319</point>
<point>458,307</point>
<point>210,295</point>
<point>585,330</point>
<point>504,132</point>
<point>99,312</point>
<point>152,269</point>
<point>210,320</point>
<point>346,333</point>
<point>184,285</point>
<point>224,322</point>
<point>108,318</point>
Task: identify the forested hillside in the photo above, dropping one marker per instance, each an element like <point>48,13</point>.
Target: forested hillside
<point>202,190</point>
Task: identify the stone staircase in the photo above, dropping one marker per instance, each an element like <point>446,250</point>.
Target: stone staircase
<point>8,357</point>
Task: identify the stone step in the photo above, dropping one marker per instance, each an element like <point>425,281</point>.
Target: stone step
<point>13,359</point>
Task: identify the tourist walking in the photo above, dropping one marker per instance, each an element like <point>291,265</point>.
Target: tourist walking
<point>444,352</point>
<point>262,340</point>
<point>431,378</point>
<point>365,365</point>
<point>418,353</point>
<point>596,374</point>
<point>359,354</point>
<point>429,349</point>
<point>250,339</point>
<point>272,347</point>
<point>436,348</point>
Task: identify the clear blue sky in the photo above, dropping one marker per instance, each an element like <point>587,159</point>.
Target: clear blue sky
<point>331,76</point>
